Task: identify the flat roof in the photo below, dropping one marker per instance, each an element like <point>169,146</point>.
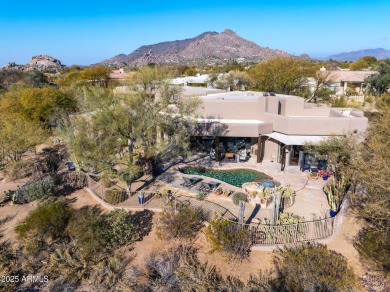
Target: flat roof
<point>244,95</point>
<point>191,91</point>
<point>229,121</point>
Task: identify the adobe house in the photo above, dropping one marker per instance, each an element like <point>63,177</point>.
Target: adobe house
<point>271,127</point>
<point>347,82</point>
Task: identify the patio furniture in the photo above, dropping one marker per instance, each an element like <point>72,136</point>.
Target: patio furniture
<point>229,156</point>
<point>213,184</point>
<point>243,155</point>
<point>208,186</point>
<point>204,187</point>
<point>189,182</point>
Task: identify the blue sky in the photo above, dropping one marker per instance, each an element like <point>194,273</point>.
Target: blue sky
<point>88,31</point>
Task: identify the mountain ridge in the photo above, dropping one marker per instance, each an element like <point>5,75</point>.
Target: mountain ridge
<point>206,47</point>
<point>378,53</point>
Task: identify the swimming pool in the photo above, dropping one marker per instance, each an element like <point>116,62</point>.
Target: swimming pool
<point>235,177</point>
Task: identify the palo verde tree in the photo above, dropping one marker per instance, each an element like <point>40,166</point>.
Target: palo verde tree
<point>285,75</point>
<point>127,131</point>
<point>18,135</point>
<point>39,105</point>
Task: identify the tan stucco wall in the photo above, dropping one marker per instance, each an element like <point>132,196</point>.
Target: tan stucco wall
<point>270,150</point>
<point>296,118</point>
<point>317,125</point>
<point>232,109</point>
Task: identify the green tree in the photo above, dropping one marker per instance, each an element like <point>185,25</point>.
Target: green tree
<point>363,63</point>
<point>37,104</point>
<point>380,82</point>
<point>339,152</point>
<point>283,75</point>
<point>97,75</point>
<point>312,267</point>
<point>29,78</point>
<point>125,131</point>
<point>235,80</point>
<point>18,135</point>
<point>359,65</point>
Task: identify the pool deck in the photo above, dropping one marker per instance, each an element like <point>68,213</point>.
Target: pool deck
<point>310,201</point>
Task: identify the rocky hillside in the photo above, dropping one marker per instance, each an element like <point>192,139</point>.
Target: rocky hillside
<point>355,55</point>
<point>209,47</point>
<point>40,63</point>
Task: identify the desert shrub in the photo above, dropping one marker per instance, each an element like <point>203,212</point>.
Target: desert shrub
<point>107,273</point>
<point>96,234</point>
<point>374,245</point>
<point>19,169</point>
<point>237,197</point>
<point>39,189</point>
<point>312,267</point>
<point>200,196</point>
<point>122,229</point>
<point>66,261</point>
<point>179,269</point>
<point>230,239</point>
<point>105,182</point>
<point>88,229</point>
<point>76,180</point>
<point>9,266</point>
<point>47,221</point>
<point>183,223</point>
<point>115,196</point>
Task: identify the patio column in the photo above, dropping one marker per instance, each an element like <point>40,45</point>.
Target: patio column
<point>217,151</point>
<point>259,148</point>
<point>288,154</point>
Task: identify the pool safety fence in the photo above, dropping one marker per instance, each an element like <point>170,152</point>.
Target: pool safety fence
<point>260,234</point>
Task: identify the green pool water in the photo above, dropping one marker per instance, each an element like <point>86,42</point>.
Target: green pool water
<point>235,177</point>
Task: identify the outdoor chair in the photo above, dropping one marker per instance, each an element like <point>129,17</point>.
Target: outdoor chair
<point>205,187</point>
<point>243,155</point>
<point>229,156</point>
<point>189,182</point>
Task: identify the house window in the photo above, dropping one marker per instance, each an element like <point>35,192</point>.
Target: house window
<point>279,108</point>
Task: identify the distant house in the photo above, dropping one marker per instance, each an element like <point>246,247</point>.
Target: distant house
<point>347,82</point>
<point>120,74</point>
<point>198,80</point>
